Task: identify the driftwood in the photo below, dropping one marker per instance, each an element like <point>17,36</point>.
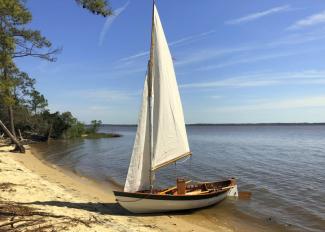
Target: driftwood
<point>20,136</point>
<point>17,217</point>
<point>19,147</point>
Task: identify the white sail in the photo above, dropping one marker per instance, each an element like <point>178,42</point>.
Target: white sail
<point>169,133</point>
<point>169,140</point>
<point>138,177</point>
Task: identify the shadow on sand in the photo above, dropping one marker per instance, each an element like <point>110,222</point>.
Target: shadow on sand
<point>102,208</point>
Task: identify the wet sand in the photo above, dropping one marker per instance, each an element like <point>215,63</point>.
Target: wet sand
<point>50,189</point>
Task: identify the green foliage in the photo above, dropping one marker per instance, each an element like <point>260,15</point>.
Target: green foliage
<point>18,12</point>
<point>18,40</point>
<point>100,7</point>
<point>94,126</point>
<point>101,135</point>
<point>76,130</point>
<point>37,101</point>
<point>6,87</point>
<point>17,91</point>
<point>58,122</point>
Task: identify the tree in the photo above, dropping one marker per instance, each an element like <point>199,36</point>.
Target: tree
<point>101,7</point>
<point>16,40</point>
<point>94,126</point>
<point>24,86</point>
<point>37,101</point>
<point>63,125</point>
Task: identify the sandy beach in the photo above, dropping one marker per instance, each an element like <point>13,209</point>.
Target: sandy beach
<point>37,196</point>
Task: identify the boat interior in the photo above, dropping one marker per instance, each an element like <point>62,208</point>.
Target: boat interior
<point>195,188</point>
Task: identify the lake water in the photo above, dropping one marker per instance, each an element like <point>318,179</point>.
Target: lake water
<point>283,167</point>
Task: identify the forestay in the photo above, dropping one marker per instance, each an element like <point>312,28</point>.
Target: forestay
<point>169,139</point>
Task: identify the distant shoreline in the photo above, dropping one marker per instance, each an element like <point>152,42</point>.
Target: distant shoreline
<point>236,124</point>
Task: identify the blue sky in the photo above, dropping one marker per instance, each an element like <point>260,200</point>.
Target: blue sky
<point>236,61</point>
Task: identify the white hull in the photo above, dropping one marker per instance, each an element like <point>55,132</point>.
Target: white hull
<point>136,205</point>
<point>143,205</point>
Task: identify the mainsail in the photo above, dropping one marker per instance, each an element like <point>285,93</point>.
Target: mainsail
<point>165,141</point>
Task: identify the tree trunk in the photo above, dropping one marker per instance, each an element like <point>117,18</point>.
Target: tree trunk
<point>50,132</point>
<point>20,136</point>
<point>11,120</point>
<point>19,147</point>
<point>10,111</point>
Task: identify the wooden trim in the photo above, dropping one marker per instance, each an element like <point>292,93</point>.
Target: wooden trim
<point>171,161</point>
<point>169,197</point>
<point>172,188</point>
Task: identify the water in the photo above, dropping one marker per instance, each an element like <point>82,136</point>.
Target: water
<point>283,167</point>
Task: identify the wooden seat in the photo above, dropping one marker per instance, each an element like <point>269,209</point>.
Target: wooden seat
<point>196,192</point>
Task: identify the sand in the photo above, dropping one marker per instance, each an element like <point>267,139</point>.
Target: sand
<point>37,196</point>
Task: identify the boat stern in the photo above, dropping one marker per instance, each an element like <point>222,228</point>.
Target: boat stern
<point>233,191</point>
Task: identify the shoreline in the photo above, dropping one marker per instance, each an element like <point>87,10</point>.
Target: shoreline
<point>238,124</point>
<point>52,190</point>
<point>89,197</point>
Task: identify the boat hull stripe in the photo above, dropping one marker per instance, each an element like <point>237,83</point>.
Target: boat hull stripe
<point>168,197</point>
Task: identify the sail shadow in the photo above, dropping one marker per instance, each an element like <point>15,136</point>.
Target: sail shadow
<point>102,208</point>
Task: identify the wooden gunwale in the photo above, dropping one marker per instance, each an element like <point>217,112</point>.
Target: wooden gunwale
<point>169,197</point>
<point>223,187</point>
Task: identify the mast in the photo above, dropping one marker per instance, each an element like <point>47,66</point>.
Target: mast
<point>150,100</point>
<point>158,143</point>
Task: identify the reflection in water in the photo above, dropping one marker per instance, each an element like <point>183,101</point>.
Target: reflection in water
<point>283,166</point>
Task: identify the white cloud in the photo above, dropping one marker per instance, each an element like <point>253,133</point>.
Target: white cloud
<point>109,21</point>
<point>265,79</point>
<point>135,56</point>
<point>192,38</point>
<point>248,59</point>
<point>102,95</point>
<point>207,54</point>
<point>299,38</point>
<point>312,20</point>
<point>202,55</point>
<point>257,15</point>
<point>182,41</point>
<point>290,103</point>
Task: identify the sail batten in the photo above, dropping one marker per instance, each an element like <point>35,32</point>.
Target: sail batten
<point>161,137</point>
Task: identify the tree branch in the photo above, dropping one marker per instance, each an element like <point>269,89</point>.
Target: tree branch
<point>47,56</point>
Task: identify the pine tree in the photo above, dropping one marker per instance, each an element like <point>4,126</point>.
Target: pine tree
<point>100,7</point>
<point>18,40</point>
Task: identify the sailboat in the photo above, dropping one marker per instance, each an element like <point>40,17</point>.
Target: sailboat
<point>161,140</point>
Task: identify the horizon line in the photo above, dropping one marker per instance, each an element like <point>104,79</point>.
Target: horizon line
<point>231,124</point>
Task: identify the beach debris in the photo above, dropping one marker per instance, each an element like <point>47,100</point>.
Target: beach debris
<point>19,147</point>
<point>18,217</point>
<point>7,187</point>
<point>150,226</point>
